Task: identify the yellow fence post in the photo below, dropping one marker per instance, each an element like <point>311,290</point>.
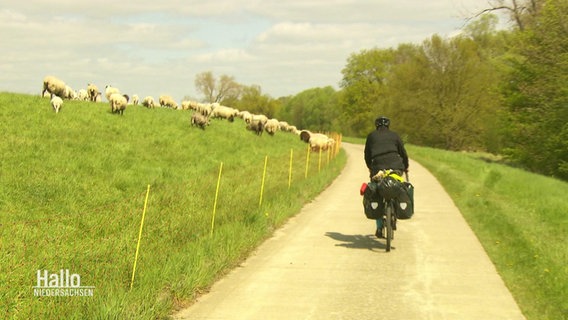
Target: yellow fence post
<point>216,196</point>
<point>319,160</point>
<point>139,237</point>
<point>263,177</point>
<point>290,170</point>
<point>307,162</point>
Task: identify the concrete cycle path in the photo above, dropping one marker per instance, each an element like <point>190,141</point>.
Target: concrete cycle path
<point>325,263</point>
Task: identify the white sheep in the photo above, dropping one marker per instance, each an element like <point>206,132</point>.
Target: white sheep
<point>246,116</point>
<point>167,102</point>
<point>82,95</point>
<point>271,126</point>
<point>135,99</point>
<point>199,120</point>
<point>204,108</point>
<point>118,103</point>
<point>92,92</point>
<point>109,90</point>
<point>70,94</point>
<point>56,102</point>
<point>54,86</point>
<point>224,112</point>
<point>257,123</point>
<point>148,102</point>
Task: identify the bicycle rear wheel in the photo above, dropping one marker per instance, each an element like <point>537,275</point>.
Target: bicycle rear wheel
<point>388,224</point>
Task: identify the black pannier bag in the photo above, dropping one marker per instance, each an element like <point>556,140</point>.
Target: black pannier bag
<point>372,201</point>
<point>405,202</point>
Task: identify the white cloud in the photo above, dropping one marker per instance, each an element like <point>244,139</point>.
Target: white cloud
<point>152,47</point>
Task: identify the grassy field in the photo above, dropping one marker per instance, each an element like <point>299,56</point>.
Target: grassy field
<point>72,191</point>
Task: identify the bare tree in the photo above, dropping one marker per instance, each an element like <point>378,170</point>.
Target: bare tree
<point>520,11</point>
<point>226,88</point>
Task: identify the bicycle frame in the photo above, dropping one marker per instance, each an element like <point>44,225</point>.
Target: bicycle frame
<point>389,222</point>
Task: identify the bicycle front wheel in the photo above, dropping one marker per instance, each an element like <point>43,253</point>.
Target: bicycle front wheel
<point>388,224</point>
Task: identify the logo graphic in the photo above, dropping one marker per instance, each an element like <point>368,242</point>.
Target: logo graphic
<point>62,284</point>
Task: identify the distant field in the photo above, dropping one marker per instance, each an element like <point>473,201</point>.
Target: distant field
<point>72,191</point>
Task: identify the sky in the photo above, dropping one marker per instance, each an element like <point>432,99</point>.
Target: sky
<point>158,47</point>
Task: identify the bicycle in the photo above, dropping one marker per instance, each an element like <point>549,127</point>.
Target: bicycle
<point>389,189</point>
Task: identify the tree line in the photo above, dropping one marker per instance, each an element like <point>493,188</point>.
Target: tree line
<point>499,91</point>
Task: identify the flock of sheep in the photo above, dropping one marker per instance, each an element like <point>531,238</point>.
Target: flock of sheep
<point>57,90</point>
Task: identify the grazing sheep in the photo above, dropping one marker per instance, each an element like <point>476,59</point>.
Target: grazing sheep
<point>109,90</point>
<point>199,120</point>
<point>148,102</point>
<point>92,92</point>
<point>99,97</point>
<point>135,99</point>
<point>82,95</point>
<point>246,116</point>
<point>204,108</point>
<point>224,112</point>
<point>56,102</point>
<point>317,141</point>
<point>118,103</point>
<point>167,102</point>
<point>257,123</point>
<point>271,126</point>
<point>54,86</point>
<point>70,94</point>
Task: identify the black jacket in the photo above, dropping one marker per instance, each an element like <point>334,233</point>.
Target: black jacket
<point>384,150</point>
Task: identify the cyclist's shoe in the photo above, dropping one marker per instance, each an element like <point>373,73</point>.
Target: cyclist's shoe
<point>379,234</point>
<point>394,225</point>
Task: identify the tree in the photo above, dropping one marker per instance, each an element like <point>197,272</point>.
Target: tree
<point>441,92</point>
<point>253,100</point>
<point>222,90</point>
<point>363,95</point>
<point>522,12</point>
<point>537,94</point>
<point>315,109</point>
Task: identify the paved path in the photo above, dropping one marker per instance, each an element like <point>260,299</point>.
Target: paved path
<point>325,263</point>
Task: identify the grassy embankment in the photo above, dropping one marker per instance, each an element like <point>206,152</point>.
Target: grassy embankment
<point>72,191</point>
<point>520,218</point>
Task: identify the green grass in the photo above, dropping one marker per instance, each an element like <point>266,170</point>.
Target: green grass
<point>520,218</point>
<point>72,190</point>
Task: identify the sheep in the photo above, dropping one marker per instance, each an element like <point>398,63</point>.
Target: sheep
<point>70,94</point>
<point>82,95</point>
<point>92,92</point>
<point>148,102</point>
<point>246,116</point>
<point>135,99</point>
<point>204,108</point>
<point>317,141</point>
<point>199,120</point>
<point>190,105</point>
<point>54,86</point>
<point>109,90</point>
<point>271,126</point>
<point>99,97</point>
<point>257,123</point>
<point>118,103</point>
<point>224,112</point>
<point>167,102</point>
<point>56,102</point>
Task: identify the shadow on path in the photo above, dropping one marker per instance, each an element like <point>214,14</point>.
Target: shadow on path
<point>357,241</point>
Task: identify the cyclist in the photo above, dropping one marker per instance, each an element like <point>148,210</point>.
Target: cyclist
<point>384,150</point>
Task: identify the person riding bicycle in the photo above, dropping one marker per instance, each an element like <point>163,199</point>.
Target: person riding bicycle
<point>384,150</point>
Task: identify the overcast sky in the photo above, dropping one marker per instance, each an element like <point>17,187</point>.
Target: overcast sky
<point>157,47</point>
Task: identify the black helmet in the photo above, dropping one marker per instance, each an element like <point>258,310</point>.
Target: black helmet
<point>382,121</point>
